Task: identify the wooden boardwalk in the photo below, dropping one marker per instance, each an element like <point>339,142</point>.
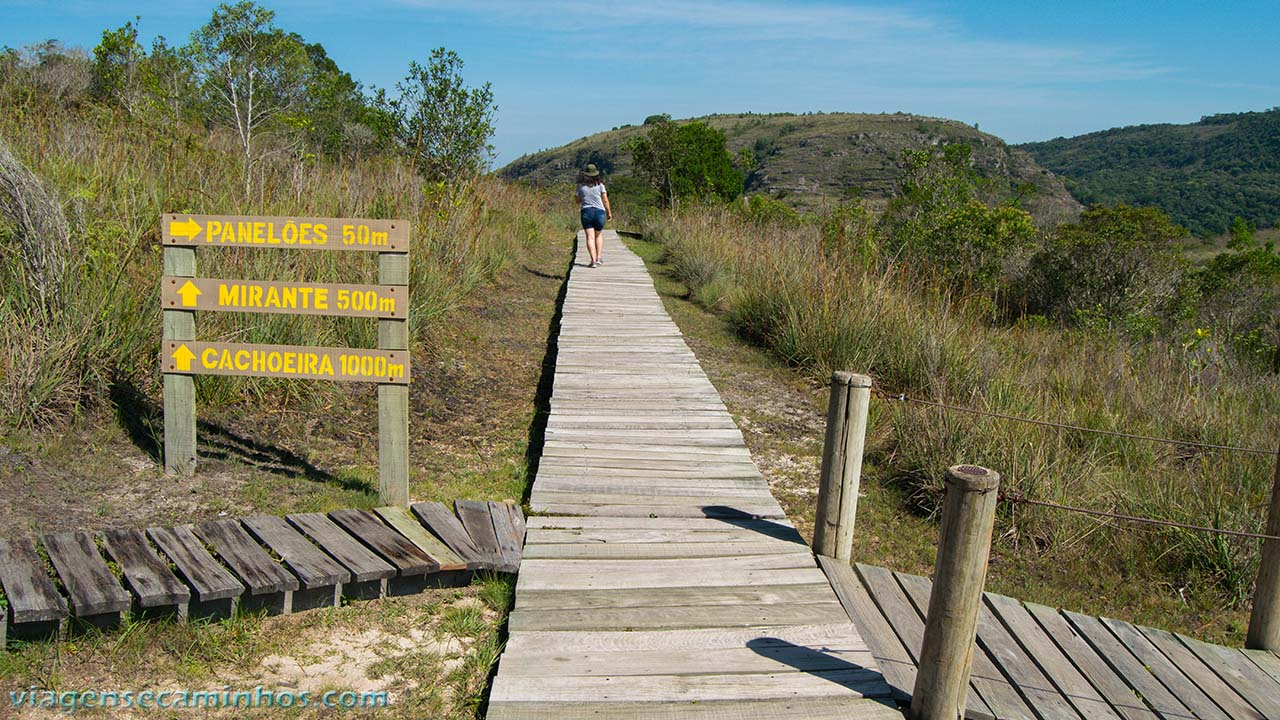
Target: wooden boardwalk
<point>265,562</point>
<point>1033,662</point>
<point>662,578</point>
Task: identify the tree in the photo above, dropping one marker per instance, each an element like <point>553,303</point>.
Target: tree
<point>117,62</point>
<point>251,73</point>
<point>1115,264</point>
<point>168,81</point>
<point>443,125</point>
<point>336,113</point>
<point>939,220</point>
<point>688,160</point>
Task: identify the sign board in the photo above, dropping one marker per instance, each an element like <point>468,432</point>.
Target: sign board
<point>294,233</point>
<point>254,296</point>
<point>286,361</point>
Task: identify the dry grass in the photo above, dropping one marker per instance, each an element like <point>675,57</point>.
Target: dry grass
<point>824,308</point>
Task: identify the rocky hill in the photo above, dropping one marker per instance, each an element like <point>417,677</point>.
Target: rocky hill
<point>807,160</point>
<point>1202,174</point>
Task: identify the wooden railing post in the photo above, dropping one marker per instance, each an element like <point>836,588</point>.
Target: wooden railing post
<point>964,543</point>
<point>842,465</point>
<point>1264,623</point>
<point>179,390</point>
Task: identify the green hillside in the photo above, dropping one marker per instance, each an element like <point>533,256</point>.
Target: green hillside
<point>805,159</point>
<point>1202,174</point>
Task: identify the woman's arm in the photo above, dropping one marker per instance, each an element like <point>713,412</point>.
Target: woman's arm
<point>608,211</point>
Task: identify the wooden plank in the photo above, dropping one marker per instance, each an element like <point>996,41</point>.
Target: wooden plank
<point>691,641</point>
<point>634,688</point>
<point>445,525</point>
<point>653,550</point>
<point>476,519</point>
<point>908,625</point>
<point>91,588</point>
<point>291,298</point>
<point>518,523</point>
<point>687,596</point>
<point>891,656</point>
<point>1240,673</point>
<point>1267,661</point>
<point>505,532</point>
<point>671,617</point>
<point>1041,649</point>
<point>1003,699</point>
<point>780,527</point>
<point>408,526</point>
<point>1127,666</point>
<point>303,362</point>
<point>391,545</point>
<point>308,562</point>
<point>638,536</point>
<point>149,577</point>
<point>827,708</point>
<point>1155,662</point>
<point>363,563</point>
<point>761,656</point>
<point>1203,676</point>
<point>27,586</point>
<point>256,569</point>
<point>694,510</point>
<point>179,390</point>
<point>393,400</point>
<point>289,233</point>
<point>1082,655</point>
<point>587,580</point>
<point>206,576</point>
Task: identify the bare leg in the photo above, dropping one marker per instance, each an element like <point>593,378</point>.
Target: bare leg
<point>593,246</point>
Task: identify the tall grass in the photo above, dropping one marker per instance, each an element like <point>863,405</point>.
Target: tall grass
<point>115,179</point>
<point>822,307</point>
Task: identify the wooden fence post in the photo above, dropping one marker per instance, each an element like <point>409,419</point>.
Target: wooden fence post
<point>842,465</point>
<point>964,543</point>
<point>179,390</point>
<point>393,400</point>
<point>1264,622</point>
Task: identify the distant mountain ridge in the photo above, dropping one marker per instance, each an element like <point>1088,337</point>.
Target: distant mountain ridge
<point>810,159</point>
<point>1202,174</point>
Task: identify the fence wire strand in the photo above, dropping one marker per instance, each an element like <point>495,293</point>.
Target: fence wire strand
<point>902,397</point>
<point>1014,497</point>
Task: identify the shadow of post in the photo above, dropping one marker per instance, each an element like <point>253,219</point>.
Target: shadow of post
<point>747,521</point>
<point>824,662</point>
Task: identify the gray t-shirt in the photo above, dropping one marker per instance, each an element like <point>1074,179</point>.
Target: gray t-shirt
<point>591,196</point>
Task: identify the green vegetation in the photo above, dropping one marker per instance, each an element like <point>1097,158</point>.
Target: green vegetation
<point>1202,175</point>
<point>1097,323</point>
<point>685,161</point>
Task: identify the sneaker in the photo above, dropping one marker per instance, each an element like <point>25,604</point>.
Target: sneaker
<point>594,263</point>
<point>600,260</point>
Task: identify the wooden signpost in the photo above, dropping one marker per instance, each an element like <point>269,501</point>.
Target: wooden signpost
<point>182,294</point>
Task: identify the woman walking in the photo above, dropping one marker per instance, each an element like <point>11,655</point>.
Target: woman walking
<point>594,202</point>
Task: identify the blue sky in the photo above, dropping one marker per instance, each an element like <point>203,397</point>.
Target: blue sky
<point>562,69</point>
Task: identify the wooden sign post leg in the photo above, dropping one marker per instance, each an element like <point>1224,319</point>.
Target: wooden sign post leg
<point>393,400</point>
<point>179,390</point>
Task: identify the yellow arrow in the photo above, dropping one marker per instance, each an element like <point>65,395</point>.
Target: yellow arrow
<point>189,293</point>
<point>188,228</point>
<point>182,357</point>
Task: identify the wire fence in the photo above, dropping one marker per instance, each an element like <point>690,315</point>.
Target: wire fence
<point>1018,498</point>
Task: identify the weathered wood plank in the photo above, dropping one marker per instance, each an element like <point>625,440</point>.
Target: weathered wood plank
<point>698,510</point>
<point>684,597</point>
<point>408,559</point>
<point>308,562</point>
<point>209,579</point>
<point>1041,649</point>
<point>827,708</point>
<point>671,617</point>
<point>635,688</point>
<point>588,574</point>
<point>91,588</point>
<point>1155,662</point>
<point>476,519</point>
<point>446,526</point>
<point>655,550</point>
<point>27,586</point>
<point>1127,666</point>
<point>506,534</point>
<point>149,577</point>
<point>363,563</point>
<point>518,523</point>
<point>1003,699</point>
<point>256,569</point>
<point>1112,687</point>
<point>1267,661</point>
<point>407,525</point>
<point>1240,673</point>
<point>1203,676</point>
<point>603,536</point>
<point>761,656</point>
<point>781,527</point>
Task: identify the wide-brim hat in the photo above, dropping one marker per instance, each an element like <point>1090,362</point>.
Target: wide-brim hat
<point>591,170</point>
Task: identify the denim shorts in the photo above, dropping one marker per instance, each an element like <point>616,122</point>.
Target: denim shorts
<point>592,218</point>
